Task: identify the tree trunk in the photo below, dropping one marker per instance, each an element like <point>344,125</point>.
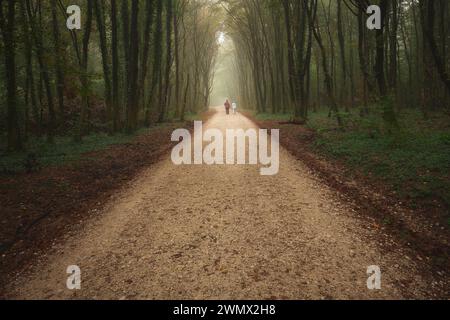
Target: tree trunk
<point>291,62</point>
<point>84,75</point>
<point>115,67</point>
<point>105,62</point>
<point>177,59</point>
<point>163,103</point>
<point>312,17</point>
<point>58,61</point>
<point>133,101</point>
<point>379,60</point>
<point>37,34</point>
<point>8,26</point>
<point>145,53</point>
<point>428,18</point>
<point>342,51</point>
<point>157,52</point>
<point>393,68</point>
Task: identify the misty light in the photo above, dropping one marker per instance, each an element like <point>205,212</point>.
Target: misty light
<point>221,38</point>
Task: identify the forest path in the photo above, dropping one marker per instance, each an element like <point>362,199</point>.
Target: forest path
<point>224,232</point>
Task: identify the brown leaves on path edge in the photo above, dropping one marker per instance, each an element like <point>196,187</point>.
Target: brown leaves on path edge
<point>39,208</point>
<point>419,229</point>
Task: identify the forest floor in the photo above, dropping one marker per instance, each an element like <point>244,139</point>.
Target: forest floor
<point>400,180</point>
<point>226,232</point>
<point>67,184</point>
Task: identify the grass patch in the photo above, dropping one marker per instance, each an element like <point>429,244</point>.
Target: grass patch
<point>63,150</point>
<point>415,160</point>
<point>273,117</point>
<point>190,116</point>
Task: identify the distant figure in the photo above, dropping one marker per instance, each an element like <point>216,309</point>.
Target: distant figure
<point>227,106</point>
<point>234,108</point>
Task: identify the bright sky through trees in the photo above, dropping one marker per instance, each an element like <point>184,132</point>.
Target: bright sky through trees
<point>221,38</point>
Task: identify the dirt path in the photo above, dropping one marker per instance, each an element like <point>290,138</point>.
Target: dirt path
<point>225,232</point>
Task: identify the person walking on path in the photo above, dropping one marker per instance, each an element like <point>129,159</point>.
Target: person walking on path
<point>227,106</point>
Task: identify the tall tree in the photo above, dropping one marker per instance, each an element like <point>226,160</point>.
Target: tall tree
<point>58,59</point>
<point>290,51</point>
<point>99,14</point>
<point>133,99</point>
<point>379,70</point>
<point>342,48</point>
<point>157,52</point>
<point>8,24</point>
<point>85,87</point>
<point>115,97</point>
<point>149,8</point>
<point>428,25</point>
<point>36,31</point>
<point>312,18</point>
<point>163,102</point>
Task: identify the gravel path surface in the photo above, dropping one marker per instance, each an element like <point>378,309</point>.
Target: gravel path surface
<point>225,232</point>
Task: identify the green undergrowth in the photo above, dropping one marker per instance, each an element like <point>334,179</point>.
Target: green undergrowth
<point>414,158</point>
<point>38,153</point>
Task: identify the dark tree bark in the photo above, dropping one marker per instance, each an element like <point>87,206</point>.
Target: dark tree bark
<point>362,52</point>
<point>163,103</point>
<point>37,35</point>
<point>133,100</point>
<point>186,91</point>
<point>312,17</point>
<point>267,50</point>
<point>177,58</point>
<point>8,25</point>
<point>99,14</point>
<point>58,60</point>
<point>145,53</point>
<point>342,51</point>
<point>290,51</point>
<point>157,52</point>
<point>84,74</point>
<point>428,24</point>
<point>379,59</point>
<point>126,35</point>
<point>115,67</point>
<point>30,90</point>
<point>393,67</point>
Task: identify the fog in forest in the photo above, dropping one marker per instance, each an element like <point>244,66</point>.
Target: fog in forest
<point>96,96</point>
<point>224,82</point>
